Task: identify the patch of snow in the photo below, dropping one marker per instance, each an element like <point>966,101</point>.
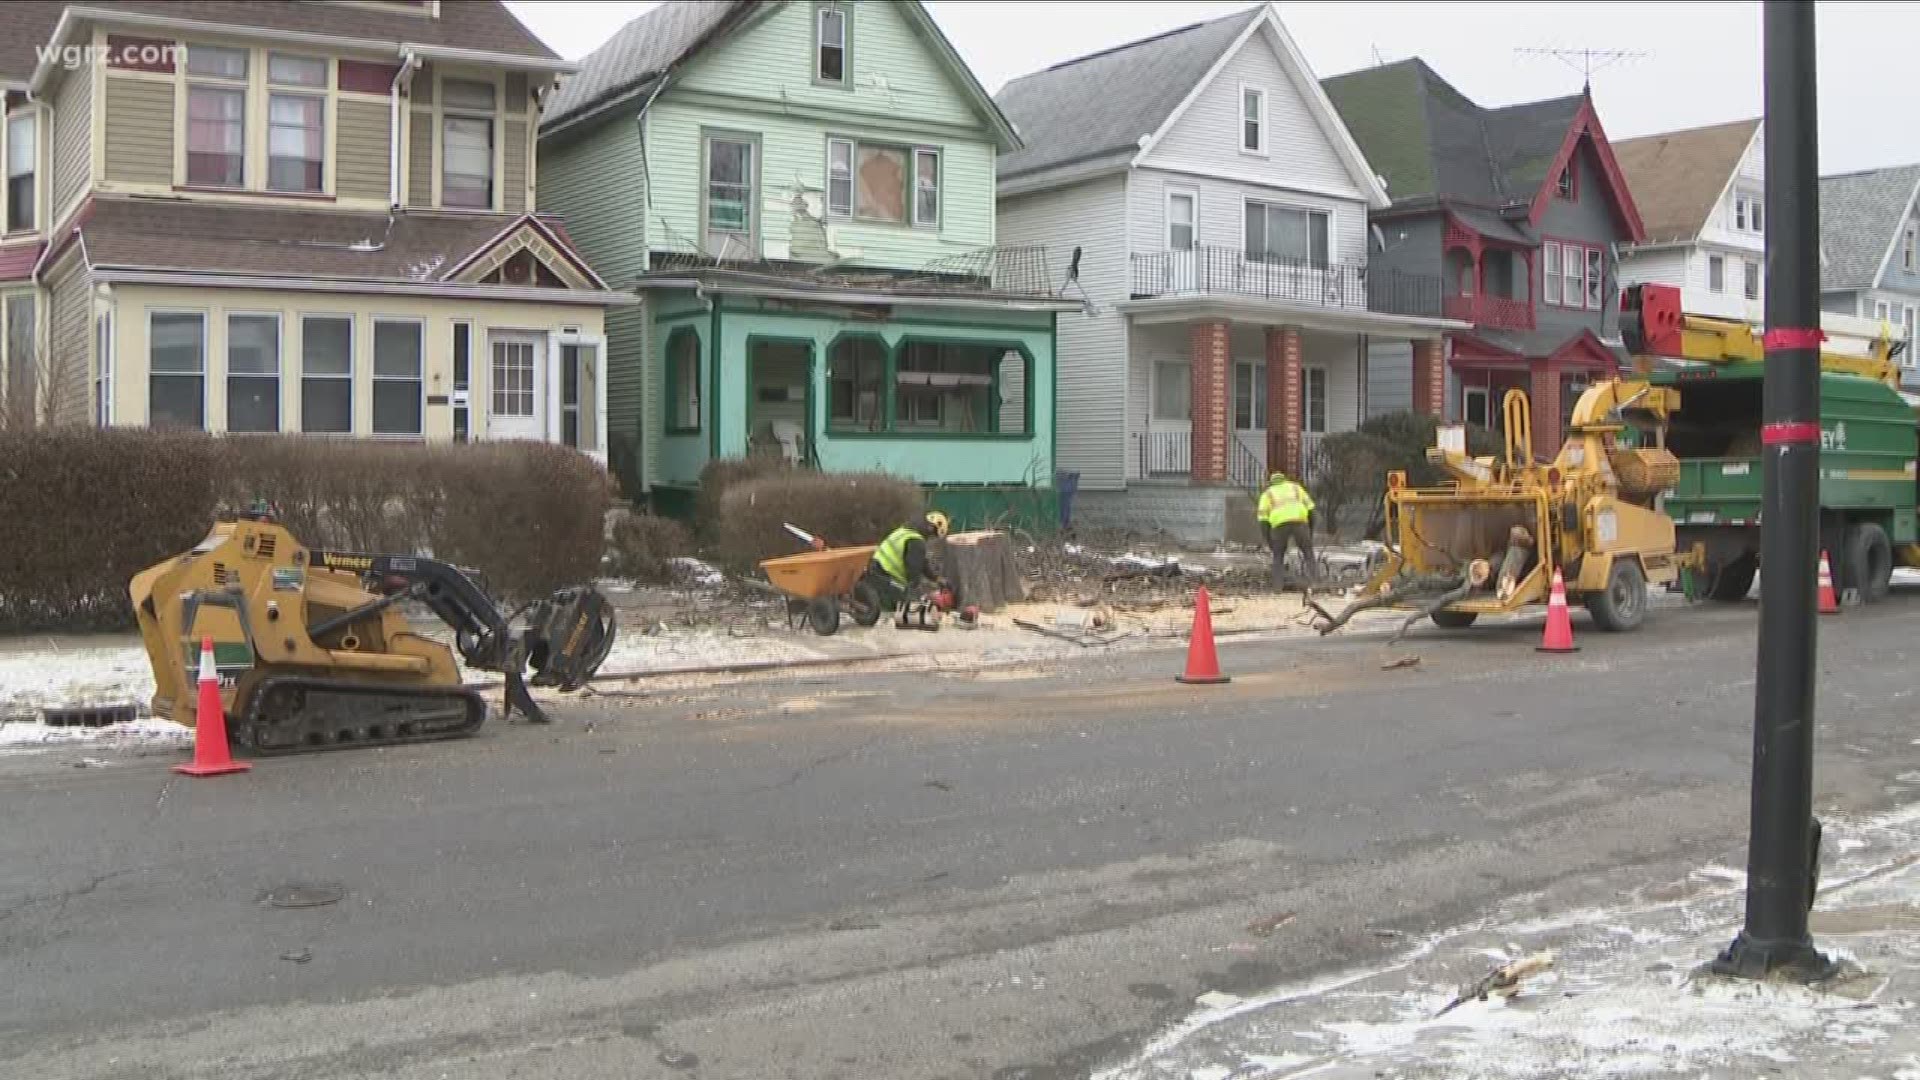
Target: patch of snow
<point>32,680</point>
<point>700,573</point>
<point>29,734</point>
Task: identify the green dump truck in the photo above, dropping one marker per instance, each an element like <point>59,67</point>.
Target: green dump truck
<point>1868,486</point>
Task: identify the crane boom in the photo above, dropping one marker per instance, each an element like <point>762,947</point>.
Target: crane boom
<point>1652,326</point>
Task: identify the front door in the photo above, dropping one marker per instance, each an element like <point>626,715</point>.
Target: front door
<point>517,386</point>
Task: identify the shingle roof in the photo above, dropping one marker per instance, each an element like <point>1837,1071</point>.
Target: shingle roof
<point>1677,177</point>
<point>1103,104</point>
<point>1858,215</point>
<point>158,234</point>
<point>481,25</point>
<point>640,52</point>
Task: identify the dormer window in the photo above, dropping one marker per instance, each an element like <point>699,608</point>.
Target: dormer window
<point>21,156</point>
<point>1748,216</point>
<point>830,44</point>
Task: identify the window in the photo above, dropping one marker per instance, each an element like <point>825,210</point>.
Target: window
<point>466,144</point>
<point>177,367</point>
<point>1550,271</point>
<point>869,182</point>
<point>683,382</point>
<point>513,374</point>
<point>1740,213</point>
<point>1717,273</point>
<point>1596,278</point>
<point>462,380</point>
<point>1909,248</point>
<point>856,377</point>
<point>1573,261</point>
<point>840,177</point>
<point>1180,220</point>
<point>730,194</point>
<point>1757,214</point>
<point>1473,405</point>
<point>948,385</point>
<point>397,352</point>
<point>926,187</point>
<point>830,44</point>
<point>1286,234</point>
<point>1907,323</point>
<point>103,369</point>
<point>326,374</point>
<point>253,373</point>
<point>570,361</point>
<point>1313,400</point>
<point>216,116</point>
<point>1563,184</point>
<point>21,156</point>
<point>1250,396</point>
<point>1751,286</point>
<point>879,192</point>
<point>296,124</point>
<point>1253,120</point>
<point>1172,391</point>
<point>1748,213</point>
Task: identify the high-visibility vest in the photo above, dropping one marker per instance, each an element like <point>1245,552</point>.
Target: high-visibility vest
<point>1285,503</point>
<point>892,553</point>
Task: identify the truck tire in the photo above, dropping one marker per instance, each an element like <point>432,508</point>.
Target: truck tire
<point>1732,581</point>
<point>1622,605</point>
<point>1454,620</point>
<point>1869,562</point>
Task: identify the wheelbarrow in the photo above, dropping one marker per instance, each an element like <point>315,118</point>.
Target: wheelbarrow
<point>821,583</point>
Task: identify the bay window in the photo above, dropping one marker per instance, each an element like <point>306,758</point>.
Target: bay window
<point>22,156</point>
<point>216,116</point>
<point>253,373</point>
<point>326,374</point>
<point>397,351</point>
<point>177,369</point>
<point>466,144</point>
<point>296,124</point>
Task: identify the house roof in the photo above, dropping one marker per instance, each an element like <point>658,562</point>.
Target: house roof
<point>1101,105</point>
<point>190,237</point>
<point>1677,177</point>
<point>479,25</point>
<point>1860,214</point>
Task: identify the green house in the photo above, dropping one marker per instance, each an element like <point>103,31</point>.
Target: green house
<point>802,194</point>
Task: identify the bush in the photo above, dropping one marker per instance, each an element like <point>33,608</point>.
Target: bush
<point>1352,466</point>
<point>844,509</point>
<point>717,478</point>
<point>645,545</point>
<point>87,508</point>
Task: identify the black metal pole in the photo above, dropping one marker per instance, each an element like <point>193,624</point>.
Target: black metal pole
<point>1774,940</point>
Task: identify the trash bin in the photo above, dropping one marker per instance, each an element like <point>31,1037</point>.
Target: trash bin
<point>1066,483</point>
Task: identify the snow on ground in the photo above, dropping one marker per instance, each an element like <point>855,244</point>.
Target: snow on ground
<point>36,674</point>
<point>1622,1000</point>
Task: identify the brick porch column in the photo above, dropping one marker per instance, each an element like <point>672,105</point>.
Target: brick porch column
<point>1283,399</point>
<point>1429,378</point>
<point>1543,391</point>
<point>1212,388</point>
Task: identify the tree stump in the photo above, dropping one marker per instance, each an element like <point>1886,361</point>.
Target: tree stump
<point>982,570</point>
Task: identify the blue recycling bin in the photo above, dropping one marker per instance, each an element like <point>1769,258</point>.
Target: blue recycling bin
<point>1066,483</point>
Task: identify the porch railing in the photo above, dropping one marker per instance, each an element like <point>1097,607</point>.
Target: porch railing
<point>1492,312</point>
<point>1166,453</point>
<point>1214,270</point>
<point>1246,463</point>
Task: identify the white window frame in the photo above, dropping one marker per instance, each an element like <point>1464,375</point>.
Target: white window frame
<point>1750,273</point>
<point>915,189</point>
<point>1257,417</point>
<point>1910,247</point>
<point>461,396</point>
<point>1717,281</point>
<point>1153,393</point>
<point>103,369</point>
<point>1260,147</point>
<point>1467,394</point>
<point>227,84</point>
<point>279,368</point>
<point>594,373</point>
<point>1740,213</point>
<point>835,207</point>
<point>420,380</point>
<point>206,346</point>
<point>820,46</point>
<point>33,117</point>
<point>1596,278</point>
<point>1192,195</point>
<point>1247,203</point>
<point>353,362</point>
<point>322,94</point>
<point>495,178</point>
<point>1307,397</point>
<point>1551,258</point>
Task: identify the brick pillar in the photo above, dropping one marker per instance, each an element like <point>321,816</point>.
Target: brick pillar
<point>1283,399</point>
<point>1429,378</point>
<point>1543,392</point>
<point>1212,368</point>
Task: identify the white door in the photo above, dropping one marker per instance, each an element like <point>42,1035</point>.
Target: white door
<point>516,387</point>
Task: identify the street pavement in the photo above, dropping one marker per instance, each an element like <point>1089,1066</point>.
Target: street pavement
<point>1019,873</point>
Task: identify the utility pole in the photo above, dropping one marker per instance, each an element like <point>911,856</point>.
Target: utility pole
<point>1782,849</point>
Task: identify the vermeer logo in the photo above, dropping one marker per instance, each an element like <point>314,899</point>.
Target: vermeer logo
<point>346,562</point>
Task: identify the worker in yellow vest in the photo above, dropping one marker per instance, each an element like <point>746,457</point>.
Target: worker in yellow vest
<point>900,569</point>
<point>1286,519</point>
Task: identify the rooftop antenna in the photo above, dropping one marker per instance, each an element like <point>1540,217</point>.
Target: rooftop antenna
<point>1586,61</point>
<point>1378,60</point>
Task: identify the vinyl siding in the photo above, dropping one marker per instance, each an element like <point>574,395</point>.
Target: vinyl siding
<point>513,169</point>
<point>1093,393</point>
<point>72,157</point>
<point>70,394</point>
<point>361,149</point>
<point>420,158</point>
<point>1222,219</point>
<point>139,123</point>
<point>1299,150</point>
<point>1588,219</point>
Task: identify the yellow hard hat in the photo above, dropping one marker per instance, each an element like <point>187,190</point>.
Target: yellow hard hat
<point>939,522</point>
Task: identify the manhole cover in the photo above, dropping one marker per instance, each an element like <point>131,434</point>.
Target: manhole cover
<point>303,895</point>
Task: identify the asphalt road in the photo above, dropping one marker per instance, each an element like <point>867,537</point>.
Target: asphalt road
<point>1012,873</point>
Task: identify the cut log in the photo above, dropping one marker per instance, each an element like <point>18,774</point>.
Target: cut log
<point>1405,586</point>
<point>982,570</point>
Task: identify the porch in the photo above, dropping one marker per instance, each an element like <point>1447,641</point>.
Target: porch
<point>1482,371</point>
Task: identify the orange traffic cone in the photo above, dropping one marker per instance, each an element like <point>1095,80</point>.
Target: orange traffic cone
<point>210,754</point>
<point>1203,664</point>
<point>1829,603</point>
<point>1559,633</point>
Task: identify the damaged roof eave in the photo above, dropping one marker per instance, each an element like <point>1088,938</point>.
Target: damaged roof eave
<point>860,296</point>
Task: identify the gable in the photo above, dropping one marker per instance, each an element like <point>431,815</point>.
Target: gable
<point>524,255</point>
<point>1586,138</point>
<point>1591,214</point>
<point>894,70</point>
<point>1299,151</point>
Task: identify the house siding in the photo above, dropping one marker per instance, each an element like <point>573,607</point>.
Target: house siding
<point>70,393</point>
<point>1298,149</point>
<point>1897,277</point>
<point>1222,212</point>
<point>1093,439</point>
<point>72,156</point>
<point>420,158</point>
<point>139,131</point>
<point>513,169</point>
<point>361,148</point>
<point>1588,219</point>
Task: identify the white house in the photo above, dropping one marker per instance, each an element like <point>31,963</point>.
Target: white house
<point>1701,198</point>
<point>1221,208</point>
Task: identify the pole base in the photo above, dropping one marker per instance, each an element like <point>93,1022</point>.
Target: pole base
<point>1203,680</point>
<point>213,770</point>
<point>1780,960</point>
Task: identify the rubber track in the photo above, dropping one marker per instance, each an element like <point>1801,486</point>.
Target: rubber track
<point>374,716</point>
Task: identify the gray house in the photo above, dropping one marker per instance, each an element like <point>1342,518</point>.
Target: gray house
<point>1870,252</point>
<point>1522,212</point>
<point>1221,211</point>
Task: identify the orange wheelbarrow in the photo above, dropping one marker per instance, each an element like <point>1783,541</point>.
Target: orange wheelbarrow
<point>820,584</point>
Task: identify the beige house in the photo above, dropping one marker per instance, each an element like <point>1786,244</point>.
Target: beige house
<point>280,216</point>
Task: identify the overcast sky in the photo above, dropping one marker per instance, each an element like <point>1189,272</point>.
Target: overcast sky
<point>1700,61</point>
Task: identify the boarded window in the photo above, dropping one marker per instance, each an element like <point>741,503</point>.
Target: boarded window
<point>881,184</point>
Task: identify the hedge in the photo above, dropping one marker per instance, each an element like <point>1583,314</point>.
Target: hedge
<point>83,509</point>
<point>844,509</point>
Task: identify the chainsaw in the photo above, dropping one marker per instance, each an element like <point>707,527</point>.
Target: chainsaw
<point>926,611</point>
